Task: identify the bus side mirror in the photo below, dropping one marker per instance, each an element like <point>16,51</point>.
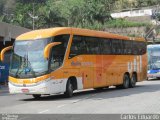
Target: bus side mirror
<point>47,49</point>
<point>4,51</point>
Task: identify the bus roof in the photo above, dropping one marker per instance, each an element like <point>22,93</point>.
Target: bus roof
<point>153,45</point>
<point>45,33</point>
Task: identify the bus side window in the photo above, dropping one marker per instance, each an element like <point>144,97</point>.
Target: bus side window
<point>55,59</point>
<point>58,52</point>
<point>78,46</point>
<point>93,45</point>
<point>106,46</point>
<point>128,47</point>
<point>135,48</point>
<point>116,46</point>
<point>142,48</point>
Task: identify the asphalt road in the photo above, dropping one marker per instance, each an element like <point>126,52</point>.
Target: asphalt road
<point>144,98</point>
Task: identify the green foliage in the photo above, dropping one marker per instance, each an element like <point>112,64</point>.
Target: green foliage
<point>51,13</point>
<point>119,23</point>
<point>92,14</point>
<point>144,3</point>
<point>2,3</point>
<point>131,4</point>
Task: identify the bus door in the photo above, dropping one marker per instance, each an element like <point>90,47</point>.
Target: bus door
<point>98,72</point>
<point>87,78</point>
<point>87,73</point>
<point>109,70</point>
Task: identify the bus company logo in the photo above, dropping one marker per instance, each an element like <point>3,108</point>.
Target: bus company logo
<point>81,63</point>
<point>75,63</point>
<point>2,67</point>
<point>87,63</point>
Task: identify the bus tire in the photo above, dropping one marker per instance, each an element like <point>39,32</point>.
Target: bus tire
<point>147,79</point>
<point>69,89</point>
<point>126,81</point>
<point>37,96</point>
<point>133,81</point>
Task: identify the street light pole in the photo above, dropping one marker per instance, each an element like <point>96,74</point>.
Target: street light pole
<point>33,16</point>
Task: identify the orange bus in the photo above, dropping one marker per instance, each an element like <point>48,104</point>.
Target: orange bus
<point>64,59</point>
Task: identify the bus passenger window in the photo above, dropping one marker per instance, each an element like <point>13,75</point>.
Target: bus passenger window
<point>128,47</point>
<point>58,52</point>
<point>78,46</point>
<point>135,48</point>
<point>106,46</point>
<point>93,45</point>
<point>56,58</point>
<point>116,47</point>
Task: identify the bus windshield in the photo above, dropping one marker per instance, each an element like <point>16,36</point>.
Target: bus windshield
<point>27,58</point>
<point>153,56</point>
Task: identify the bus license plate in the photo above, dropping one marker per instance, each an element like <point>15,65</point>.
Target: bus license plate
<point>25,90</point>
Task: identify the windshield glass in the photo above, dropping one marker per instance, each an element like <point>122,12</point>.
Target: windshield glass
<point>155,66</point>
<point>153,56</point>
<point>27,58</point>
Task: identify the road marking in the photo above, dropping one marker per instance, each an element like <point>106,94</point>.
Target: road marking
<point>61,106</point>
<point>81,99</point>
<point>76,101</point>
<point>43,111</point>
<point>94,95</point>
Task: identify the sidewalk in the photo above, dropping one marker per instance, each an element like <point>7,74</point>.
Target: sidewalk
<point>4,89</point>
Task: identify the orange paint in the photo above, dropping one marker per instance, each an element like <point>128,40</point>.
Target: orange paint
<point>94,70</point>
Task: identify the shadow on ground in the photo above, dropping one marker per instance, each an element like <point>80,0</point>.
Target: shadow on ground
<point>101,94</point>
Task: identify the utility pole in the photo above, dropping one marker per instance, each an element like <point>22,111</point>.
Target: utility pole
<point>33,15</point>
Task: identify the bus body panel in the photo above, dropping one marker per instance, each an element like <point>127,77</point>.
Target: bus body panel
<point>90,71</point>
<point>153,61</point>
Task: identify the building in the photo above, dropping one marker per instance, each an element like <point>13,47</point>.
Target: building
<point>8,33</point>
<point>139,15</point>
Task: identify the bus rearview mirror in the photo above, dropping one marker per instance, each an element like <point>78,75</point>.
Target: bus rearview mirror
<point>4,51</point>
<point>47,49</point>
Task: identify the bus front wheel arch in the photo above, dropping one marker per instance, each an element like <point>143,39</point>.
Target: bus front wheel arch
<point>70,86</point>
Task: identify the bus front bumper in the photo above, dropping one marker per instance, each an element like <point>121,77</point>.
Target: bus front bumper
<point>156,75</point>
<point>47,87</point>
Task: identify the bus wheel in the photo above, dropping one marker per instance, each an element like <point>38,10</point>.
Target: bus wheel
<point>69,89</point>
<point>133,81</point>
<point>37,96</point>
<point>126,80</point>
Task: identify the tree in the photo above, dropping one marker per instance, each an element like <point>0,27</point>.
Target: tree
<point>23,11</point>
<point>93,14</point>
<point>6,10</point>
